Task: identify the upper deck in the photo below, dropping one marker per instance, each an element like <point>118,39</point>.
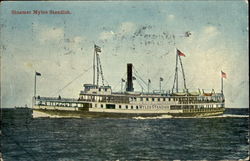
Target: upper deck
<point>106,95</point>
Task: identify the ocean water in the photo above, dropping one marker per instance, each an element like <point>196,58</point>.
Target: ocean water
<point>215,138</point>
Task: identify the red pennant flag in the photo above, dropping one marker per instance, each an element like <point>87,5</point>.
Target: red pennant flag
<point>223,75</point>
<point>180,53</point>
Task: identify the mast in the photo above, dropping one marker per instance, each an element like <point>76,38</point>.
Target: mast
<point>97,70</point>
<point>97,67</point>
<point>100,66</point>
<point>176,75</point>
<point>94,65</point>
<point>178,55</point>
<point>187,34</point>
<point>183,74</point>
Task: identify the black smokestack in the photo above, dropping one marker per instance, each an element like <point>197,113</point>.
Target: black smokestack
<point>129,78</point>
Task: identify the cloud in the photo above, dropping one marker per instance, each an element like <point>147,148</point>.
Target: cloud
<point>106,35</point>
<point>126,27</point>
<point>56,35</point>
<point>206,37</point>
<point>210,31</point>
<point>171,17</point>
<point>74,41</point>
<point>28,64</point>
<point>74,45</point>
<point>123,29</point>
<point>78,39</point>
<point>51,33</point>
<point>47,33</point>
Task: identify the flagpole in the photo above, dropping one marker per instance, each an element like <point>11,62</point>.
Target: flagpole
<point>35,86</point>
<point>176,70</point>
<point>121,86</point>
<point>148,86</point>
<point>160,85</point>
<point>34,97</point>
<point>221,84</point>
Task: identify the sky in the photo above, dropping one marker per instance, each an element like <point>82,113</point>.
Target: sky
<point>147,34</point>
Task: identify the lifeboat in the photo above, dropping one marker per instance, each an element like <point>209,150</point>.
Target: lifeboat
<point>179,94</point>
<point>207,94</point>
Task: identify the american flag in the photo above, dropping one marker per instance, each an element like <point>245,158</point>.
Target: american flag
<point>223,75</point>
<point>180,53</point>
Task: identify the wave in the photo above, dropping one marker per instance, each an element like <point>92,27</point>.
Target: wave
<point>156,117</point>
<point>38,114</point>
<point>229,115</point>
<point>169,116</point>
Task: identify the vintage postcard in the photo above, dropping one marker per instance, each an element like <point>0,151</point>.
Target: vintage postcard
<point>124,80</point>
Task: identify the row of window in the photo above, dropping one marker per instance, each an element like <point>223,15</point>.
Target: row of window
<point>112,106</point>
<point>120,106</point>
<point>100,89</point>
<point>177,107</point>
<point>131,107</point>
<point>171,99</point>
<point>147,99</point>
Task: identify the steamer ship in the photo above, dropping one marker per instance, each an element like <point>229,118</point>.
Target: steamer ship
<point>100,101</point>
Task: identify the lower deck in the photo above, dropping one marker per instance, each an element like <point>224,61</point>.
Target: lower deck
<point>92,114</point>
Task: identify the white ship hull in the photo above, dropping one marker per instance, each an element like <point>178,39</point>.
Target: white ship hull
<point>127,110</point>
